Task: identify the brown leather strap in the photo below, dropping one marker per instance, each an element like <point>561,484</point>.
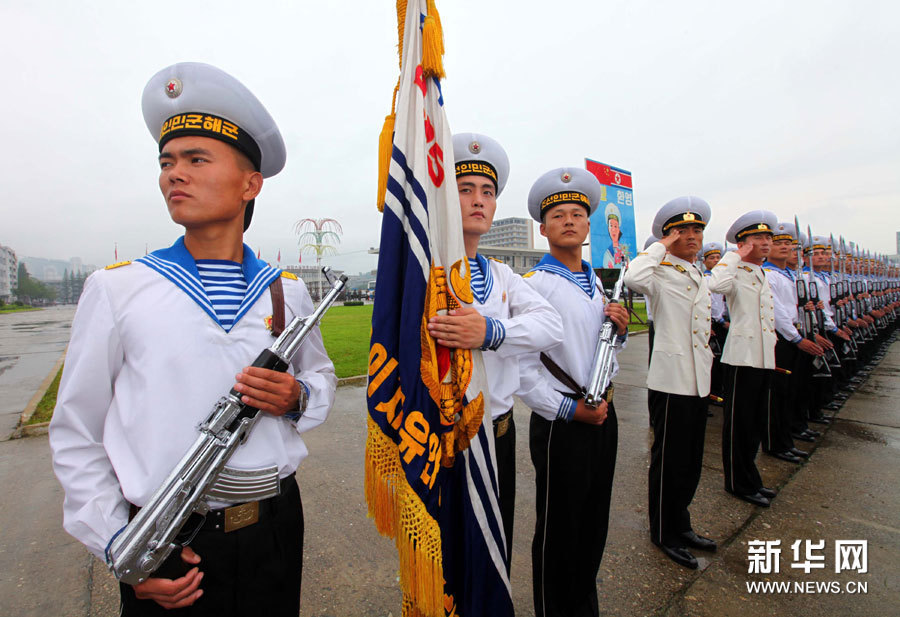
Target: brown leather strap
<point>277,292</point>
<point>563,377</point>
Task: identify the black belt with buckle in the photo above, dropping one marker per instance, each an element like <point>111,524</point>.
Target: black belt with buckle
<point>226,520</point>
<point>501,424</point>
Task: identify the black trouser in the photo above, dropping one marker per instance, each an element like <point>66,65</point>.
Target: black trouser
<point>798,389</point>
<point>747,398</point>
<point>505,449</point>
<point>676,460</point>
<point>255,570</point>
<point>717,379</point>
<point>574,465</point>
<point>777,434</point>
<point>651,334</point>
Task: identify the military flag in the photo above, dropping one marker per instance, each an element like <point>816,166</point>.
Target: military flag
<point>431,482</point>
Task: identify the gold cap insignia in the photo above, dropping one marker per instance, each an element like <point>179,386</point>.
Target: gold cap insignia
<point>474,147</point>
<point>566,177</point>
<point>689,216</point>
<point>762,226</point>
<point>268,322</point>
<point>174,88</point>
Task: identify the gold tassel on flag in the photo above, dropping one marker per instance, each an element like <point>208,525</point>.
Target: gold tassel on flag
<point>432,44</point>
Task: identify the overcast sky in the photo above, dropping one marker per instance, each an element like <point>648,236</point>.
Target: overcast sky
<point>787,106</point>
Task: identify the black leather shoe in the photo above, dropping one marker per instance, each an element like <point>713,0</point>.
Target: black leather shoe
<point>821,420</point>
<point>799,452</point>
<point>699,542</point>
<point>767,493</point>
<point>809,431</point>
<point>681,556</point>
<point>804,436</point>
<point>785,456</point>
<point>756,499</point>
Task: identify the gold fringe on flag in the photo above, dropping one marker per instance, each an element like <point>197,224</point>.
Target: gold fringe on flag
<point>401,515</point>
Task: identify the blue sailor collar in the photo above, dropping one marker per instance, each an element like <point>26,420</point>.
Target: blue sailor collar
<point>768,265</point>
<point>549,263</point>
<point>178,265</point>
<point>485,267</point>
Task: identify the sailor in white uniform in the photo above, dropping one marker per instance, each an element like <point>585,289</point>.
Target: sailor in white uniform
<point>573,446</point>
<point>157,341</point>
<point>678,380</point>
<point>749,354</point>
<point>507,319</point>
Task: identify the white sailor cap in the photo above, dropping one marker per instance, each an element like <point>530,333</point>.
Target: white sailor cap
<point>750,223</point>
<point>711,248</point>
<point>785,231</point>
<point>650,241</point>
<point>564,185</point>
<point>818,242</point>
<point>612,212</point>
<point>680,211</point>
<point>479,155</point>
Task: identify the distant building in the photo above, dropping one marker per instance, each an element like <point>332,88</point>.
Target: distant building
<point>312,276</point>
<point>9,274</point>
<point>362,281</point>
<point>510,232</point>
<point>521,260</point>
<point>53,270</point>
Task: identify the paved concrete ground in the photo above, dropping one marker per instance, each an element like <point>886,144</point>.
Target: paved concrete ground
<point>847,490</point>
<point>30,344</point>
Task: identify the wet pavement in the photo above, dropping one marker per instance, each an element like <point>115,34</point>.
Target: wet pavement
<point>847,490</point>
<point>31,342</point>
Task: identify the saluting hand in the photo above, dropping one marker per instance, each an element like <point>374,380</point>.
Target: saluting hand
<point>176,593</point>
<point>463,328</point>
<point>271,391</point>
<point>671,238</point>
<point>591,415</point>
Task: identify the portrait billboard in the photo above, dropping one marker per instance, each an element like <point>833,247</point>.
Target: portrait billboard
<point>613,235</point>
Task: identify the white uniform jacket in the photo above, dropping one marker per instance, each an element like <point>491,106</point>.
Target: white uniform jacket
<point>784,295</point>
<point>528,324</point>
<point>582,317</point>
<point>751,335</point>
<point>144,367</point>
<point>679,298</point>
<point>717,303</point>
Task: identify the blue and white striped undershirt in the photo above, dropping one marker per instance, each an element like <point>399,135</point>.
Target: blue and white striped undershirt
<point>225,287</point>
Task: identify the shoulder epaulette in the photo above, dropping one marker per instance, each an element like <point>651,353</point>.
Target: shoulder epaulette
<point>288,275</point>
<point>529,274</point>
<point>642,253</point>
<point>747,268</point>
<point>118,264</point>
<point>678,267</point>
<point>495,259</point>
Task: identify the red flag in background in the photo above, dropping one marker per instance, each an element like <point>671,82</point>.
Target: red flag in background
<point>257,253</point>
<point>300,259</point>
<point>116,251</point>
<point>279,256</point>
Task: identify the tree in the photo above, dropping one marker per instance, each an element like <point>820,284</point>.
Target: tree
<point>30,289</point>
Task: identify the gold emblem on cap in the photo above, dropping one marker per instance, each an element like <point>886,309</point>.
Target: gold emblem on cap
<point>762,226</point>
<point>174,88</point>
<point>688,216</point>
<point>474,147</point>
<point>566,177</point>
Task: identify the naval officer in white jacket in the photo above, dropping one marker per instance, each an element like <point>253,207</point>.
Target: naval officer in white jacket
<point>679,377</point>
<point>749,354</point>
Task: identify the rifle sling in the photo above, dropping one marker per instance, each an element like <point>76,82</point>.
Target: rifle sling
<point>563,377</point>
<point>277,292</point>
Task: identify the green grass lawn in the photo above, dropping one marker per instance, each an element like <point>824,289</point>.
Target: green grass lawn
<point>345,330</point>
<point>641,311</point>
<point>44,410</point>
<point>12,308</point>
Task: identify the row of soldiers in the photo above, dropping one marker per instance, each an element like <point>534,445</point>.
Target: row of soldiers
<point>794,325</point>
<point>129,398</point>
